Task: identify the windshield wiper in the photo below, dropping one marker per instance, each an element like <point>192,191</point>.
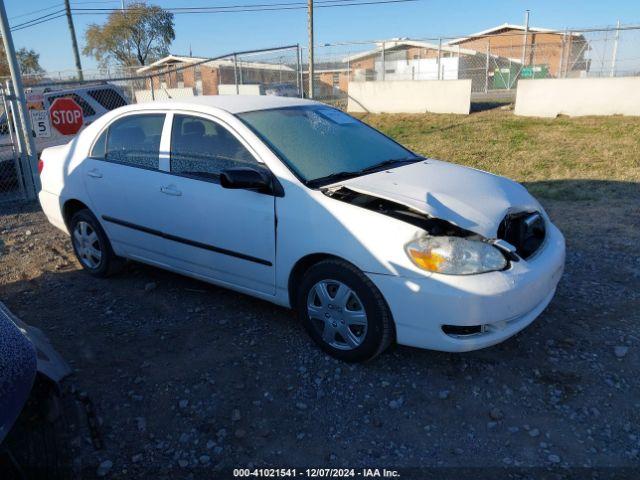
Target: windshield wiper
<point>334,177</point>
<point>337,176</point>
<point>388,163</point>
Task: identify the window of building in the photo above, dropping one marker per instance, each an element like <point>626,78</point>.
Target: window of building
<point>336,80</point>
<point>134,140</point>
<point>201,148</point>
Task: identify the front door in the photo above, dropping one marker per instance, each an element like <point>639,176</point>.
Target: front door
<point>224,234</point>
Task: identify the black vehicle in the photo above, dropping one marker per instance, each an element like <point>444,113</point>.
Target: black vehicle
<point>30,372</point>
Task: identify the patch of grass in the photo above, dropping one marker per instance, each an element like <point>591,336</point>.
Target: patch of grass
<point>554,157</point>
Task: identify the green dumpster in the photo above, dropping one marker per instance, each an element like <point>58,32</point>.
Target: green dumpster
<point>505,77</point>
<point>535,71</point>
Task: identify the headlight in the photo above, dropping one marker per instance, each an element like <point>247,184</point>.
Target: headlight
<point>455,255</point>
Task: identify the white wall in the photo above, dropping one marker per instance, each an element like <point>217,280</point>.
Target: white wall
<point>419,69</point>
<point>410,96</point>
<point>578,96</point>
<point>162,94</point>
<point>230,89</point>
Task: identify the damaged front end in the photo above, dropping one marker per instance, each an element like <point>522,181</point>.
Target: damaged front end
<point>433,226</point>
<point>444,247</point>
<point>519,235</point>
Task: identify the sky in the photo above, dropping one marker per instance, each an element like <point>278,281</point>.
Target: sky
<point>209,35</point>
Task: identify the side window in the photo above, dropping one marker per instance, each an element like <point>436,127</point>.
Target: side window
<point>202,149</point>
<point>135,140</point>
<point>99,148</point>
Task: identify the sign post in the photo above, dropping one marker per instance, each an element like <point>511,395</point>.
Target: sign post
<point>66,116</point>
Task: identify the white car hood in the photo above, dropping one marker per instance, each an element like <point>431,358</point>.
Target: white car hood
<point>469,198</point>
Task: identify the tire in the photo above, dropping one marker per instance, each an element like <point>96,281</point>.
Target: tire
<point>343,311</point>
<point>92,242</point>
<point>37,446</point>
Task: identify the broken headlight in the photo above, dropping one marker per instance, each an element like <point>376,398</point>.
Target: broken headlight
<point>455,255</point>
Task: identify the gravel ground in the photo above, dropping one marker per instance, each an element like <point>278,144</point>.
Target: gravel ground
<point>188,379</point>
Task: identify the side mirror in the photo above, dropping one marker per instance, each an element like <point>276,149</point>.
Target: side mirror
<point>246,179</point>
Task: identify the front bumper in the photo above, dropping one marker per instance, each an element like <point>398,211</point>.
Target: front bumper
<point>502,302</point>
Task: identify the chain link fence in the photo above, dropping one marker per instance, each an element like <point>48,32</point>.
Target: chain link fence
<point>272,71</point>
<point>494,60</point>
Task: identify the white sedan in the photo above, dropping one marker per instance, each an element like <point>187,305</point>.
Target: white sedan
<point>300,204</point>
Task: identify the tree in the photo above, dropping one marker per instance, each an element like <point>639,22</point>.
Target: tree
<point>136,36</point>
<point>28,60</point>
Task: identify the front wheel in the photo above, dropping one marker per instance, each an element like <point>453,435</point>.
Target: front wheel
<point>343,311</point>
<point>91,245</point>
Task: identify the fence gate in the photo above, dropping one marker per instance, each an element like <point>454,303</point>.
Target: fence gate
<point>13,178</point>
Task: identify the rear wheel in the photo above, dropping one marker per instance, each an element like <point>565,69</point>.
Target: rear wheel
<point>343,311</point>
<point>91,245</point>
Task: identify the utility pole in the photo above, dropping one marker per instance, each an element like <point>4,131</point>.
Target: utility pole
<point>74,42</point>
<point>526,36</point>
<point>614,54</point>
<point>18,93</point>
<point>310,27</point>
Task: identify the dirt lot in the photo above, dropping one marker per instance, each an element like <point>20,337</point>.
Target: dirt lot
<point>188,379</point>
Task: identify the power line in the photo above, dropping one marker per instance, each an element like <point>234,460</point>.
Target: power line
<point>39,20</point>
<point>57,5</point>
<point>203,10</point>
<point>45,17</point>
<point>258,8</point>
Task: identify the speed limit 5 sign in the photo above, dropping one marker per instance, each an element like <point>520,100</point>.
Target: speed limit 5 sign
<point>40,123</point>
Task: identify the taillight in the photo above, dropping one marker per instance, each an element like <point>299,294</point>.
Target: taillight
<point>40,166</point>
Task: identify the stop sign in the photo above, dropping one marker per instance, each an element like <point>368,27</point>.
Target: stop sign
<point>66,116</point>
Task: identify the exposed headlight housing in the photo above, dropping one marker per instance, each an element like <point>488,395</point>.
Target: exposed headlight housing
<point>455,255</point>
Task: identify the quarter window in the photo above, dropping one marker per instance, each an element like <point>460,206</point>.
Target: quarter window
<point>135,140</point>
<point>202,149</point>
<point>99,148</point>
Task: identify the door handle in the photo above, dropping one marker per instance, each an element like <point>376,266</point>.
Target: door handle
<point>171,190</point>
<point>95,173</point>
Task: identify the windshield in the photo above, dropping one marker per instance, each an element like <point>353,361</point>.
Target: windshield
<point>323,145</point>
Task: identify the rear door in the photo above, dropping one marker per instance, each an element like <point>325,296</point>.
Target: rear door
<point>122,178</point>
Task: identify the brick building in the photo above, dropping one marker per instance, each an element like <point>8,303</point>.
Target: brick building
<point>404,60</point>
<point>204,77</point>
<point>561,54</point>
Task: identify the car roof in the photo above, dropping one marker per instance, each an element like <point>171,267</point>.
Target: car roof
<point>229,103</point>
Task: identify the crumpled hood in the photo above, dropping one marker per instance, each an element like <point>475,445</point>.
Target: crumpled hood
<point>469,198</point>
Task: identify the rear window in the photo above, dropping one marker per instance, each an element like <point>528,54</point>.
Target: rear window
<point>87,110</point>
<point>108,98</point>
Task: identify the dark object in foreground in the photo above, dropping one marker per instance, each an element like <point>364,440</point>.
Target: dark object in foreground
<point>30,372</point>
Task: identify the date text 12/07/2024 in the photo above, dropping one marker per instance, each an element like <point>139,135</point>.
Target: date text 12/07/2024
<point>315,473</point>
